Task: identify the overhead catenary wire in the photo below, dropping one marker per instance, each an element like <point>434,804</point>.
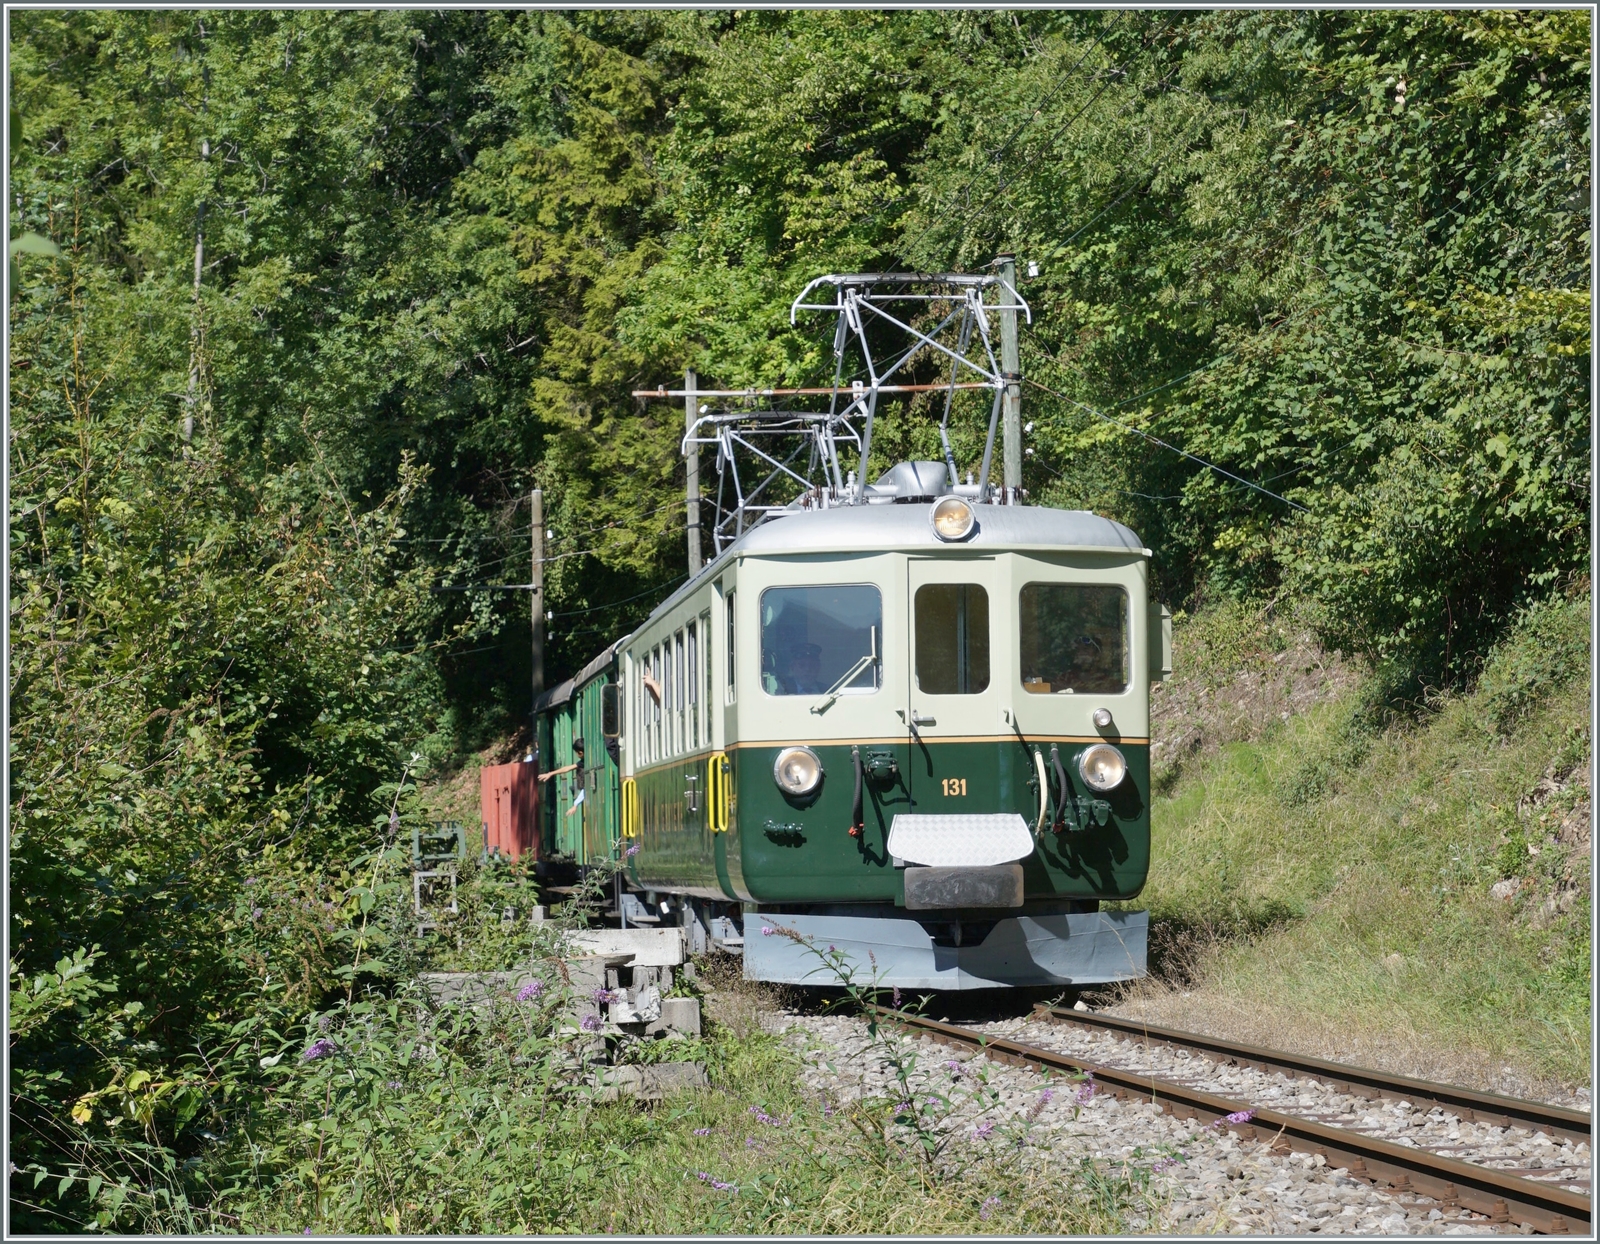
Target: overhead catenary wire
<point>1156,440</point>
<point>669,587</point>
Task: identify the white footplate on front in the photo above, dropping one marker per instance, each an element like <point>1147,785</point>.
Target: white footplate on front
<point>957,840</point>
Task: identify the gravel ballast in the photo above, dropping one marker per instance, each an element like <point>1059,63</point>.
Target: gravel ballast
<point>1207,1180</point>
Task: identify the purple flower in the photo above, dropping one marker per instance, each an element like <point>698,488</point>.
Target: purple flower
<point>1163,1165</point>
<point>255,913</point>
<point>702,1131</point>
<point>530,991</point>
<point>320,1048</point>
<point>718,1184</point>
<point>1241,1116</point>
<point>252,881</point>
<point>934,1101</point>
<point>896,996</point>
<point>322,1023</point>
<point>990,1204</point>
<point>833,948</point>
<point>763,1117</point>
<point>603,996</point>
<point>1085,1090</point>
<point>955,1068</point>
<point>902,1107</point>
<point>827,1110</point>
<point>632,851</point>
<point>394,1086</point>
<point>590,1023</point>
<point>765,931</point>
<point>983,1131</point>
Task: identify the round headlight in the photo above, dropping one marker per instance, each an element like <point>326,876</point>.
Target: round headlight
<point>797,771</point>
<point>952,518</point>
<point>1102,767</point>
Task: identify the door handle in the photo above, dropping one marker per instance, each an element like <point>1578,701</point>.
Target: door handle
<point>917,719</point>
<point>692,794</point>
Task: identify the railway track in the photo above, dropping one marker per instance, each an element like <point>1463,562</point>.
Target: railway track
<point>1503,1196</point>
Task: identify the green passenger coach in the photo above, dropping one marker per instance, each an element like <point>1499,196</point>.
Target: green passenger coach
<point>579,807</point>
<point>916,730</point>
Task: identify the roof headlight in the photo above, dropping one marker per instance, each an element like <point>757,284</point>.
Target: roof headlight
<point>1102,766</point>
<point>952,518</point>
<point>797,771</point>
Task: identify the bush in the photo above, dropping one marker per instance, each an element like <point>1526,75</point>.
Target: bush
<point>1546,649</point>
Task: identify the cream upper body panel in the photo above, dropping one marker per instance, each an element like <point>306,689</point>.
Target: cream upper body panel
<point>889,549</point>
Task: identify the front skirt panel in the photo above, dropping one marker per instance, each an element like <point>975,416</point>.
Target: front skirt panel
<point>1076,949</point>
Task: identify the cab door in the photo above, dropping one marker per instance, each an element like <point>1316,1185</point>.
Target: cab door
<point>958,651</point>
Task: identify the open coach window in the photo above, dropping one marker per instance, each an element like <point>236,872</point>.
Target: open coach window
<point>811,637</point>
<point>1074,639</point>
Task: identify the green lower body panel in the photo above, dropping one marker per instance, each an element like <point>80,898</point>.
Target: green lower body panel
<point>784,850</point>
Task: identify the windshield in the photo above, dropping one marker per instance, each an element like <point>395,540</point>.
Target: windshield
<point>812,636</point>
<point>1074,639</point>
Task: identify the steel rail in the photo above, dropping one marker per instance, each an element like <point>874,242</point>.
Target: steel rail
<point>1469,1104</point>
<point>1497,1194</point>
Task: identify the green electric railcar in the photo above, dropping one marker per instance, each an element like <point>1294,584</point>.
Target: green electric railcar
<point>916,730</point>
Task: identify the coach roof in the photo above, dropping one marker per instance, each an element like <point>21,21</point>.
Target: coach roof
<point>906,526</point>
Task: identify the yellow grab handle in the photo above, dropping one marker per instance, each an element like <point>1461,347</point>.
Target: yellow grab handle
<point>630,808</point>
<point>717,792</point>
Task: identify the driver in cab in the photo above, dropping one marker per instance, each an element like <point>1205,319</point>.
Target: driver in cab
<point>800,670</point>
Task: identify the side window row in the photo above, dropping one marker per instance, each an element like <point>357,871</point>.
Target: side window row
<point>671,695</point>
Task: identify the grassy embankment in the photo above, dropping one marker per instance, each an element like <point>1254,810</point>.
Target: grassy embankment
<point>411,1120</point>
<point>1335,878</point>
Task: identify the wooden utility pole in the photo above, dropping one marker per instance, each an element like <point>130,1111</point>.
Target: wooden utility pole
<point>1011,404</point>
<point>536,506</point>
<point>691,412</point>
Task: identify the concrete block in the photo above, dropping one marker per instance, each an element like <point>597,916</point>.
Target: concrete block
<point>659,977</point>
<point>650,1083</point>
<point>637,1006</point>
<point>649,947</point>
<point>681,1015</point>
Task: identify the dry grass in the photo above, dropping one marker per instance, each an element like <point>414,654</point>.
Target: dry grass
<point>1398,1047</point>
<point>1240,670</point>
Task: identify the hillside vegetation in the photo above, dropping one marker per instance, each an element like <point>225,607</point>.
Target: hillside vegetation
<point>335,290</point>
<point>1380,887</point>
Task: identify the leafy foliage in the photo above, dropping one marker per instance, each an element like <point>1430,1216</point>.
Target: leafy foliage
<point>336,290</point>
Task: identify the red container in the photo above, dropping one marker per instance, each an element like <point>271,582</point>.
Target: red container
<point>510,801</point>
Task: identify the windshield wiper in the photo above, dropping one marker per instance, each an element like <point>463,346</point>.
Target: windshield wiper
<point>854,672</point>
